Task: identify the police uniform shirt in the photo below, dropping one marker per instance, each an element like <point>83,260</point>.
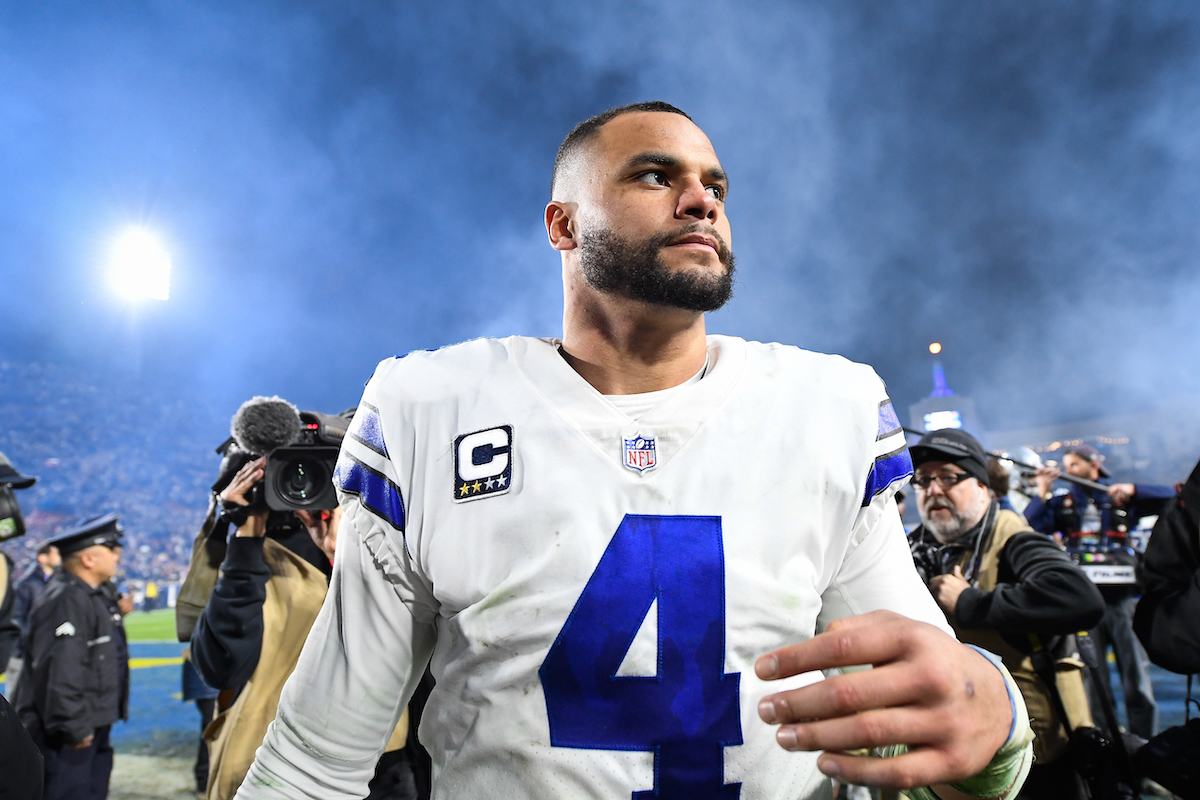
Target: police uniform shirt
<point>76,676</point>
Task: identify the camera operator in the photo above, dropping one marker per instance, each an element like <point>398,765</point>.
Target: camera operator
<point>272,582</point>
<point>1086,517</point>
<point>998,582</point>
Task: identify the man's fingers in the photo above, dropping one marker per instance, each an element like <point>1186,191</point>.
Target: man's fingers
<point>869,729</point>
<point>920,767</point>
<point>846,643</point>
<point>843,695</point>
<point>251,466</point>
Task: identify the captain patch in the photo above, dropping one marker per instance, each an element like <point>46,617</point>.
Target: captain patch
<point>483,463</point>
<point>66,629</point>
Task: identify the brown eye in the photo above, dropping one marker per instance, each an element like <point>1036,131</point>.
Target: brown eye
<point>653,177</point>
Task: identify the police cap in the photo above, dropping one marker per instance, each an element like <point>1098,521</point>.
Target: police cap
<point>9,475</point>
<point>103,529</point>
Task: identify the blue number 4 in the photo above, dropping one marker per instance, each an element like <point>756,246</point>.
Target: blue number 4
<point>687,713</point>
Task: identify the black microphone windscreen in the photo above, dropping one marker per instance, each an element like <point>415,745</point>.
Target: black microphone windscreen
<point>264,423</point>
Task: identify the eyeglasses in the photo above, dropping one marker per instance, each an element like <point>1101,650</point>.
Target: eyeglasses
<point>947,482</point>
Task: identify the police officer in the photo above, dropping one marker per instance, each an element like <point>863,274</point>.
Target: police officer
<point>76,683</point>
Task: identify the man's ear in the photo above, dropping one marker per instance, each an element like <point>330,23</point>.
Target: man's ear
<point>560,228</point>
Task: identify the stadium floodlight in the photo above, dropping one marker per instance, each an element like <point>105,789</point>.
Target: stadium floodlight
<point>140,266</point>
<point>935,348</point>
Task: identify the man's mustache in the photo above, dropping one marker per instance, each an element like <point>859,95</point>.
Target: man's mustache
<point>663,239</point>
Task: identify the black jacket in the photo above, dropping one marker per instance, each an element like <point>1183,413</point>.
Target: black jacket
<point>1038,590</point>
<point>76,673</point>
<point>27,590</point>
<point>227,639</point>
<point>1168,616</point>
<point>10,633</point>
<point>21,763</point>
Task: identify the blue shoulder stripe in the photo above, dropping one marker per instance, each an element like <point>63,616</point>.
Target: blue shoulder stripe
<point>889,423</point>
<point>377,493</point>
<point>366,428</point>
<point>888,469</point>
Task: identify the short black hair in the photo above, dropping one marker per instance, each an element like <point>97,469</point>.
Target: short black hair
<point>586,130</point>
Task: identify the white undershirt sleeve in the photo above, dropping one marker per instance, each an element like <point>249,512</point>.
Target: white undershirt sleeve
<point>360,665</point>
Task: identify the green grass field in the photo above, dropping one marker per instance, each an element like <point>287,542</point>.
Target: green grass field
<point>151,626</point>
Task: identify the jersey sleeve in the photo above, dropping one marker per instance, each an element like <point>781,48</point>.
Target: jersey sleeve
<point>877,572</point>
<point>362,661</point>
<point>892,465</point>
<point>371,641</point>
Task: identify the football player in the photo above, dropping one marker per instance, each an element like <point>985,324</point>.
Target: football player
<point>628,554</point>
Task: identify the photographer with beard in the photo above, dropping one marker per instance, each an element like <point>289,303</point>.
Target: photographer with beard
<point>273,579</point>
<point>999,582</point>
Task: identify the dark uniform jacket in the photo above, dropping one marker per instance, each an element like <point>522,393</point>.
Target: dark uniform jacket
<point>1168,615</point>
<point>76,674</point>
<point>27,590</point>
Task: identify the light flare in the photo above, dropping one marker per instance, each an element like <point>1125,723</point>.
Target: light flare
<point>140,266</point>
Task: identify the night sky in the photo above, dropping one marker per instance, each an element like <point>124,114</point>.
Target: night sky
<point>342,182</point>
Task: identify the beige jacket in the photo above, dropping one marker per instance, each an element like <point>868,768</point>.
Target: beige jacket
<point>1050,738</point>
<point>295,592</point>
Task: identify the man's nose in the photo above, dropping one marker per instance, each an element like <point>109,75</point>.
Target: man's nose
<point>696,203</point>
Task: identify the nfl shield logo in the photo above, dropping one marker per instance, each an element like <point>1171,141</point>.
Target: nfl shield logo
<point>640,453</point>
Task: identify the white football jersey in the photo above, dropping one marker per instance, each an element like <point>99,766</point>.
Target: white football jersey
<point>591,592</point>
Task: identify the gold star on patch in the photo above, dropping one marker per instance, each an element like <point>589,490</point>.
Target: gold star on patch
<point>465,489</point>
<point>477,486</point>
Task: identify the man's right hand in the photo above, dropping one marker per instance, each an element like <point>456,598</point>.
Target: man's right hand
<point>1046,476</point>
<point>85,743</point>
<point>251,473</point>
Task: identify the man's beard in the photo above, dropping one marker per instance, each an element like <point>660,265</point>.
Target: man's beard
<point>948,530</point>
<point>636,270</point>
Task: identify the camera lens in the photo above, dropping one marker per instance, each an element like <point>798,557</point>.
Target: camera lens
<point>301,480</point>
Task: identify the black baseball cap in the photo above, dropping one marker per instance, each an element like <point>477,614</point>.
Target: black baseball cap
<point>1091,454</point>
<point>10,476</point>
<point>102,529</point>
<point>954,446</point>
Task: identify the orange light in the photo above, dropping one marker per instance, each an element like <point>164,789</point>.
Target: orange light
<point>935,348</point>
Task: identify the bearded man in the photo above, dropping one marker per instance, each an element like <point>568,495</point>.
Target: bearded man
<point>607,546</point>
<point>999,582</point>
